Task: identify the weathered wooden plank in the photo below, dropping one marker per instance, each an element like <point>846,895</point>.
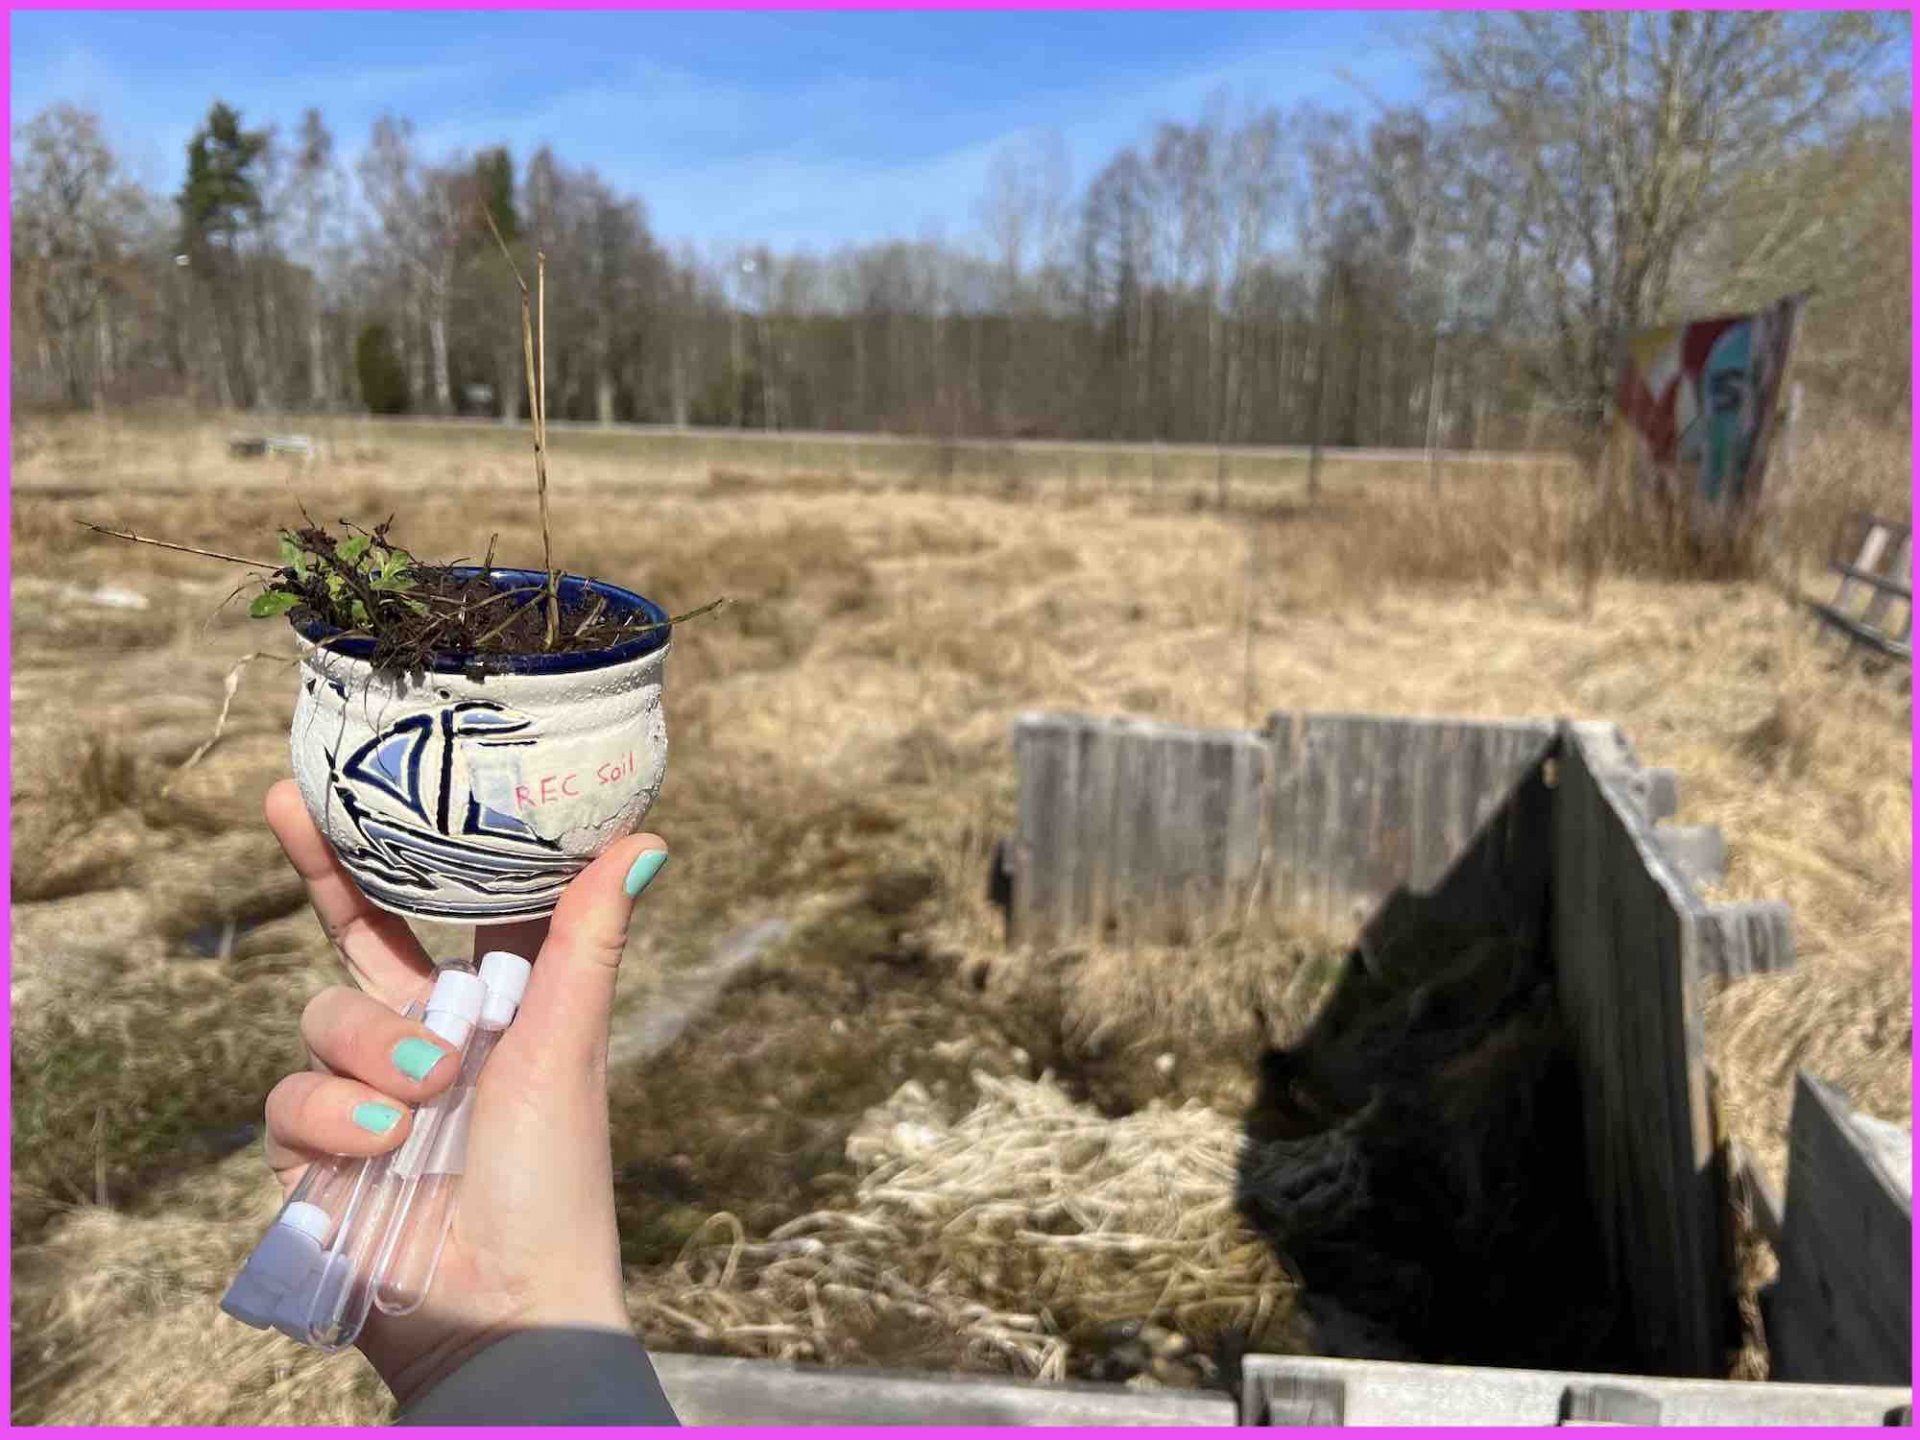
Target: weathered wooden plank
<point>1841,1311</point>
<point>1129,828</point>
<point>1140,792</point>
<point>1746,937</point>
<point>1070,835</point>
<point>724,1390</point>
<point>1039,750</point>
<point>1347,879</point>
<point>1177,826</point>
<point>1375,1393</point>
<point>1285,775</point>
<point>1365,803</point>
<point>1213,815</point>
<point>1098,791</point>
<point>1389,852</point>
<point>1626,957</point>
<point>1654,789</point>
<point>1730,940</point>
<point>1229,818</point>
<point>1700,851</point>
<point>1604,746</point>
<point>1246,819</point>
<point>1903,575</point>
<point>1456,823</point>
<point>1424,772</point>
<point>1066,836</point>
<point>1872,546</point>
<point>1318,834</point>
<point>1893,583</point>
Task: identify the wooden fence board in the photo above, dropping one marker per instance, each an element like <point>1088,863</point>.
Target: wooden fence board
<point>1376,1393</point>
<point>1746,937</point>
<point>1132,829</point>
<point>1700,851</point>
<point>1284,781</point>
<point>1149,831</point>
<point>1626,957</point>
<point>1099,790</point>
<point>1361,804</point>
<point>1044,822</point>
<point>1841,1311</point>
<point>727,1390</point>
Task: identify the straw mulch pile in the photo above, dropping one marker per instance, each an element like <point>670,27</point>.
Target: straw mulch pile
<point>1021,1238</point>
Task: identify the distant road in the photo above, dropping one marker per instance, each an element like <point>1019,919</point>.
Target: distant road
<point>184,455</point>
<point>824,438</point>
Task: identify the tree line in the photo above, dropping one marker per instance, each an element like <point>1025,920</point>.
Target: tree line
<point>1462,271</point>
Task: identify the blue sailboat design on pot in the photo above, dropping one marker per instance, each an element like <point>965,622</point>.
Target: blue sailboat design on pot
<point>419,825</point>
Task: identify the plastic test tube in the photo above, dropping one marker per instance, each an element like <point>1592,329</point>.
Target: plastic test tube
<point>427,1168</point>
<point>309,1276</point>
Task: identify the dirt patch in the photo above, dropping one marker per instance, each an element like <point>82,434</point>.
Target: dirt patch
<point>750,1111</point>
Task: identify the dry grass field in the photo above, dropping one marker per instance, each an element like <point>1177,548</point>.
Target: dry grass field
<point>841,763</point>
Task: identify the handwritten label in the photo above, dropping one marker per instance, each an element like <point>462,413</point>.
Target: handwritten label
<point>544,785</point>
<point>545,789</point>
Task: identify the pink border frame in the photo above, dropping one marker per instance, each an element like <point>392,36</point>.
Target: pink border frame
<point>6,501</point>
<point>6,696</point>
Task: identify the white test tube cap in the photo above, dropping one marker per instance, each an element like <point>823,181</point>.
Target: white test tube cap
<point>505,975</point>
<point>307,1218</point>
<point>455,1004</point>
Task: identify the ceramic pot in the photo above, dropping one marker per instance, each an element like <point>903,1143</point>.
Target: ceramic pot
<point>475,797</point>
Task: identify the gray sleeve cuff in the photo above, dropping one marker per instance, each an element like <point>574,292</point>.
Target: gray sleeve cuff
<point>549,1377</point>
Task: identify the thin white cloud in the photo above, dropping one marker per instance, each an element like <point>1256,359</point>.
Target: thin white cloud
<point>819,160</point>
<point>390,86</point>
<point>785,197</point>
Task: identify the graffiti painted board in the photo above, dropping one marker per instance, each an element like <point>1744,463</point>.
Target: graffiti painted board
<point>1701,397</point>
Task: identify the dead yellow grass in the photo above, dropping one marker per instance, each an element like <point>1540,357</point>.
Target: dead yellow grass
<point>114,1322</point>
<point>1141,1023</point>
<point>995,1240</point>
<point>843,726</point>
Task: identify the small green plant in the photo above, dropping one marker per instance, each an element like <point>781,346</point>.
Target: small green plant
<point>349,581</point>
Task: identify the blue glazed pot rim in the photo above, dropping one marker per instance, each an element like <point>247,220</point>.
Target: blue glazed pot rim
<point>572,589</point>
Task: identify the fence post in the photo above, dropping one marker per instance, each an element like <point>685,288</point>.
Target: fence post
<point>1433,418</point>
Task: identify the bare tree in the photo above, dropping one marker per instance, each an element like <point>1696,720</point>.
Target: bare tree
<point>76,219</point>
<point>423,214</point>
<point>1836,221</point>
<point>1624,135</point>
<point>316,208</point>
<point>1250,276</point>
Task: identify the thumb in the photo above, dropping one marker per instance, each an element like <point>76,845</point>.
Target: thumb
<point>569,999</point>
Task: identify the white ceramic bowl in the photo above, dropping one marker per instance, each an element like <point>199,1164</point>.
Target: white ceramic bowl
<point>475,798</point>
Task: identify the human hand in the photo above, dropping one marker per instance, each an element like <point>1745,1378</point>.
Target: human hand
<point>534,1244</point>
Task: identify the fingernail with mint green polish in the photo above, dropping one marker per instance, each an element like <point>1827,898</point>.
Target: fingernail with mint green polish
<point>416,1058</point>
<point>371,1115</point>
<point>644,869</point>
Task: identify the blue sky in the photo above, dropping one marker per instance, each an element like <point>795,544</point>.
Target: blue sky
<point>800,130</point>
